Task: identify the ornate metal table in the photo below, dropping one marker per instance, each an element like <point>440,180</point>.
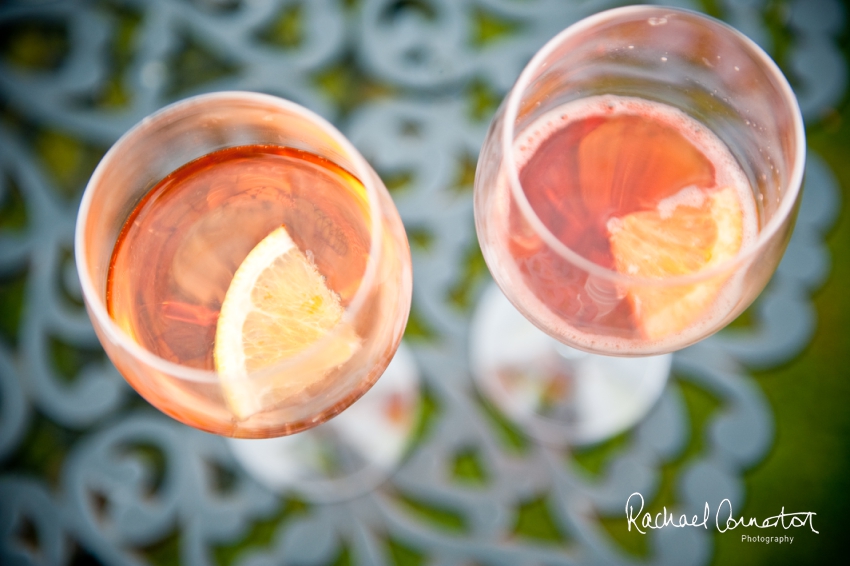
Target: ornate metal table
<point>91,474</point>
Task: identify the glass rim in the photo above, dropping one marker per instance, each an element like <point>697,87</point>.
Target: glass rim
<point>96,305</point>
<point>764,235</point>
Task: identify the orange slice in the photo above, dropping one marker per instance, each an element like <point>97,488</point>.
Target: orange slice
<point>691,231</point>
<point>277,306</point>
<point>632,156</point>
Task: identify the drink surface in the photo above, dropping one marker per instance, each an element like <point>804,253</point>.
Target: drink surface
<point>181,246</point>
<point>637,188</point>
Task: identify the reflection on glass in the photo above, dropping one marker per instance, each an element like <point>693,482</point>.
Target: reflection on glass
<point>348,455</point>
<point>561,395</point>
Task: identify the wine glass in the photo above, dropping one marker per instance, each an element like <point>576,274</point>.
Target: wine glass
<point>254,163</point>
<point>634,194</point>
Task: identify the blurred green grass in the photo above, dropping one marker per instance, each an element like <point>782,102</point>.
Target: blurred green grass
<point>808,468</point>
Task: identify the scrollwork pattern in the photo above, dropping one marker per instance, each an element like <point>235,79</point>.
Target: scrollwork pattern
<point>413,84</point>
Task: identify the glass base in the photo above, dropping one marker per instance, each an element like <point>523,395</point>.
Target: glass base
<point>557,394</point>
<point>349,455</point>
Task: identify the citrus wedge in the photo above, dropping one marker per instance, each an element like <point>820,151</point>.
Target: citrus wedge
<point>687,233</point>
<point>277,306</point>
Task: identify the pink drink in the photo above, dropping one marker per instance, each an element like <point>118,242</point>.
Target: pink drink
<point>583,167</point>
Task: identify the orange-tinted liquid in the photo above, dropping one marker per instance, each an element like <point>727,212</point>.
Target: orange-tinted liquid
<point>579,172</point>
<point>181,245</point>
